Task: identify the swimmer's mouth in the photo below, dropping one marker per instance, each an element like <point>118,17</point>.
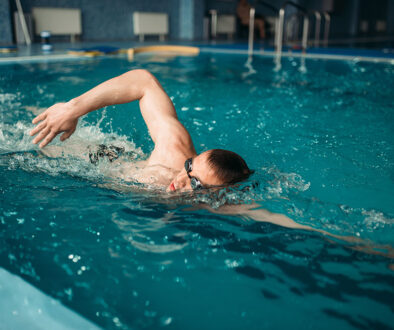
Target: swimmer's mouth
<point>172,186</point>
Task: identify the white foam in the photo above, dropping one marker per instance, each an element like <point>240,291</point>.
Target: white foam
<point>376,220</point>
<point>283,182</point>
<point>72,80</point>
<point>70,157</point>
<point>7,97</point>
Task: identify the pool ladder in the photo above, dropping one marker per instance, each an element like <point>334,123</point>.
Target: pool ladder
<point>280,25</point>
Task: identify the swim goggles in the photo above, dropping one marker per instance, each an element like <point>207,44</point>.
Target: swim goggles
<point>194,182</point>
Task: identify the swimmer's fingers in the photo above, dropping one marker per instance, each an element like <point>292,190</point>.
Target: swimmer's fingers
<point>40,117</point>
<point>44,132</point>
<point>67,134</point>
<point>38,128</point>
<point>48,139</point>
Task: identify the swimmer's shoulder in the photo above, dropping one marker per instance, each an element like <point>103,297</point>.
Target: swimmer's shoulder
<point>143,172</point>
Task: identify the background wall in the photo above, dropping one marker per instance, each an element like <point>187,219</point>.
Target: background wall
<point>5,22</point>
<point>186,19</point>
<point>112,20</point>
<point>230,6</point>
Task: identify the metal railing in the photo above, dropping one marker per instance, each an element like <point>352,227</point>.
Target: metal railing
<point>251,23</point>
<point>279,33</point>
<point>251,31</point>
<point>278,42</point>
<point>214,23</point>
<point>327,21</point>
<point>317,27</point>
<point>23,22</point>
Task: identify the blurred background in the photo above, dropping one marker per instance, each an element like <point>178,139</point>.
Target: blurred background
<point>354,23</point>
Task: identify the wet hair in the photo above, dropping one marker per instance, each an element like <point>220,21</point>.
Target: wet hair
<point>229,166</point>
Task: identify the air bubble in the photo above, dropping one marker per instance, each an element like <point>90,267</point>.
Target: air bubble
<point>165,320</point>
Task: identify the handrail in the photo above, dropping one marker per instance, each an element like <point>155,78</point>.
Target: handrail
<point>318,22</point>
<point>317,27</point>
<point>280,23</point>
<point>287,23</point>
<point>251,24</point>
<point>251,31</point>
<point>214,23</point>
<point>296,5</point>
<point>279,35</point>
<point>23,22</point>
<point>327,20</point>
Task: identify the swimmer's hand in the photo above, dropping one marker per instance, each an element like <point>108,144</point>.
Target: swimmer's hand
<point>57,119</point>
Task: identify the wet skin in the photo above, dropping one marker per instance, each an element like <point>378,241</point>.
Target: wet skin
<point>173,144</point>
<point>201,170</point>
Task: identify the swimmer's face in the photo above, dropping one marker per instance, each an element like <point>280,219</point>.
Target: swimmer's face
<point>200,170</point>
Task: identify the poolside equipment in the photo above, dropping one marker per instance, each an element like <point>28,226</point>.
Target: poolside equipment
<point>251,31</point>
<point>22,20</point>
<point>45,41</point>
<point>8,49</point>
<point>279,26</point>
<point>146,23</point>
<point>305,28</point>
<point>170,49</point>
<point>327,20</point>
<point>108,50</point>
<point>60,21</point>
<point>96,51</point>
<point>222,24</point>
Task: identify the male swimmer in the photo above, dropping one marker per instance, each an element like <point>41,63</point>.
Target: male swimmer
<point>174,158</point>
<point>174,153</point>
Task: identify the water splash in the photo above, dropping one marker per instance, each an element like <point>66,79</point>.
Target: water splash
<point>281,183</point>
<point>59,158</point>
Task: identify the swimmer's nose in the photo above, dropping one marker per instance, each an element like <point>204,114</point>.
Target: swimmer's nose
<point>181,182</point>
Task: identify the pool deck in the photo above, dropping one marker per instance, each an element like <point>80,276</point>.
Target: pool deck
<point>34,53</point>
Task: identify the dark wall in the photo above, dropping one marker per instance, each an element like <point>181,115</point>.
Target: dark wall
<point>5,23</point>
<point>344,19</point>
<point>347,15</point>
<point>390,18</point>
<point>111,20</point>
<point>199,13</point>
<point>230,6</point>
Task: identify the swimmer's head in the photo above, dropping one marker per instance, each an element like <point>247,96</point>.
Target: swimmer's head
<point>229,167</point>
<point>216,167</point>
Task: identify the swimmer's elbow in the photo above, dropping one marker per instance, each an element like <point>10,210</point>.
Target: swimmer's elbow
<point>140,77</point>
<point>144,75</point>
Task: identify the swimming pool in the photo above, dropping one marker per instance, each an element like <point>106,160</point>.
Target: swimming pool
<point>319,136</point>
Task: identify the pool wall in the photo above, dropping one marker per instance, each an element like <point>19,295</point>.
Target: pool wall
<point>112,20</point>
<point>5,22</point>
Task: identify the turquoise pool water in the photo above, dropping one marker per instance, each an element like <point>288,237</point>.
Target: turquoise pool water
<point>320,138</point>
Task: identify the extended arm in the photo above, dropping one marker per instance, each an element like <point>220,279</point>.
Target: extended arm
<point>156,108</point>
<point>255,212</point>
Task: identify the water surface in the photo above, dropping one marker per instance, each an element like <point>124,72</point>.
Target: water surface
<point>320,140</point>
